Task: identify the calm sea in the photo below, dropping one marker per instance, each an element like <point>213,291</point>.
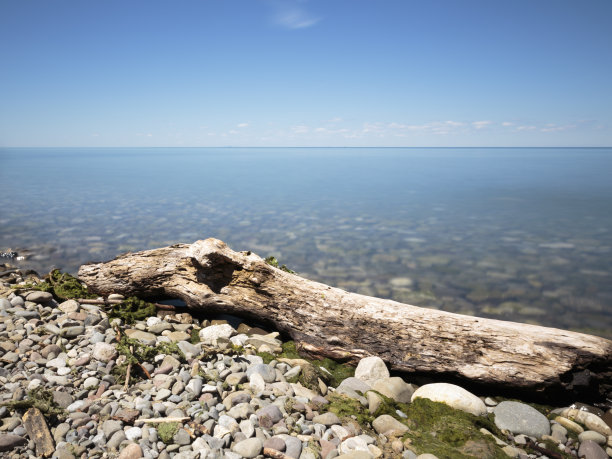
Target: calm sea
<point>514,234</point>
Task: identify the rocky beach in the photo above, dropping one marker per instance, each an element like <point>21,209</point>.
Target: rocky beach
<point>86,379</point>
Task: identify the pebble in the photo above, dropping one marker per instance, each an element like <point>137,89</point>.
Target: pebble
<point>371,369</point>
<point>327,419</point>
<point>388,425</point>
<point>591,450</point>
<point>39,297</point>
<point>131,451</point>
<point>276,443</point>
<point>210,335</point>
<point>249,448</point>
<point>395,388</point>
<point>520,418</point>
<point>591,435</point>
<point>10,441</point>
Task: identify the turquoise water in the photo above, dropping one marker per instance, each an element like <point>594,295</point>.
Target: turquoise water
<point>515,234</point>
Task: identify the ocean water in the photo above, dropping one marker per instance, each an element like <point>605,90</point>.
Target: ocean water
<point>514,234</point>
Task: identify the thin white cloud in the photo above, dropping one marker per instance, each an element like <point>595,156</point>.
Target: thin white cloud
<point>291,15</point>
<point>551,127</point>
<point>507,124</point>
<point>243,125</point>
<point>481,124</point>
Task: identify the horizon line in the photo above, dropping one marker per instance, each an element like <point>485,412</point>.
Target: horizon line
<point>305,147</point>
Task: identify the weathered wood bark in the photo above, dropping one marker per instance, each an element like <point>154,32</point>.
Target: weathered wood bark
<point>327,321</point>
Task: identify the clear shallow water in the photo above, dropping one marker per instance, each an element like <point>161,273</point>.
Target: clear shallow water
<point>514,234</point>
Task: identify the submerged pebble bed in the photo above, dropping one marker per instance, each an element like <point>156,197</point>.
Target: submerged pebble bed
<point>511,234</point>
<point>207,389</point>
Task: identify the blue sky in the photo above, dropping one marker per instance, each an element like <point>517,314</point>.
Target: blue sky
<point>305,73</point>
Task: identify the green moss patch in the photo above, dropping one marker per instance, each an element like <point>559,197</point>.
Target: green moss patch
<point>272,261</point>
<point>195,335</point>
<point>167,431</point>
<point>434,427</point>
<point>62,286</point>
<point>132,309</point>
<point>331,372</point>
<point>43,400</point>
<point>441,430</point>
<point>347,408</point>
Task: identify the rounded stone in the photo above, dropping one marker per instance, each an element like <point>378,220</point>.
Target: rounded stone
<point>520,418</point>
<point>269,415</point>
<point>69,306</point>
<point>72,332</point>
<point>91,383</point>
<point>388,425</point>
<point>110,426</point>
<point>593,436</point>
<point>350,387</point>
<point>39,297</point>
<point>371,369</point>
<point>395,388</point>
<point>182,437</point>
<point>249,448</point>
<point>257,384</point>
<point>195,386</point>
<point>10,441</point>
<point>211,334</point>
<point>327,419</point>
<point>266,371</point>
<point>454,396</point>
<point>353,444</point>
<point>234,379</point>
<point>131,451</point>
<point>276,443</point>
<point>133,433</point>
<point>591,450</point>
<point>17,301</point>
<point>104,352</point>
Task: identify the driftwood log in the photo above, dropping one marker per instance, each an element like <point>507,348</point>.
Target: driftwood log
<point>329,322</point>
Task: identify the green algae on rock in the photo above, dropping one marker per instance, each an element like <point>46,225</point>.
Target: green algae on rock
<point>41,399</point>
<point>132,309</point>
<point>272,261</point>
<point>433,427</point>
<point>328,370</point>
<point>62,286</point>
<point>166,431</point>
